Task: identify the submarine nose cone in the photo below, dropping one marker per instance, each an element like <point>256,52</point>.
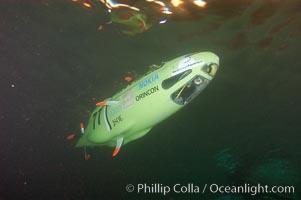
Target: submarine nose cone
<point>211,68</point>
<point>211,62</point>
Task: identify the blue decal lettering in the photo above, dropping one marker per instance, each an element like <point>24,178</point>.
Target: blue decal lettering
<point>148,81</point>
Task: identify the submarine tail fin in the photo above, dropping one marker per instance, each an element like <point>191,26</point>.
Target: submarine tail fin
<point>118,146</point>
<point>82,142</point>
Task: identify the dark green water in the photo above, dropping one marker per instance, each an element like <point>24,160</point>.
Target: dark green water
<point>244,128</point>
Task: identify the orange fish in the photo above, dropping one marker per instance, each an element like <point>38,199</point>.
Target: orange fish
<point>128,79</point>
<point>126,16</point>
<point>87,4</point>
<point>100,27</point>
<point>70,136</point>
<point>87,156</point>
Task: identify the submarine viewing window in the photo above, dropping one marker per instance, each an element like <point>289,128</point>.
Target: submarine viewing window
<point>210,68</point>
<point>190,90</point>
<point>168,83</point>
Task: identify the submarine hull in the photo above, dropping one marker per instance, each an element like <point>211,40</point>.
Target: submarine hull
<point>132,112</point>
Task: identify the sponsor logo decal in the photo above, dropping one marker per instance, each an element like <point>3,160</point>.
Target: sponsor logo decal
<point>117,120</point>
<point>128,99</point>
<point>186,64</point>
<point>147,93</point>
<point>148,81</point>
<point>186,59</point>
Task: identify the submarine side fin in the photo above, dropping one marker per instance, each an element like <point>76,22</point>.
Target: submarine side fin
<point>112,103</point>
<point>118,146</point>
<point>108,103</point>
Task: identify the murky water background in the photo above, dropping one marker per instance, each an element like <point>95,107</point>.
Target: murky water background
<point>244,128</point>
